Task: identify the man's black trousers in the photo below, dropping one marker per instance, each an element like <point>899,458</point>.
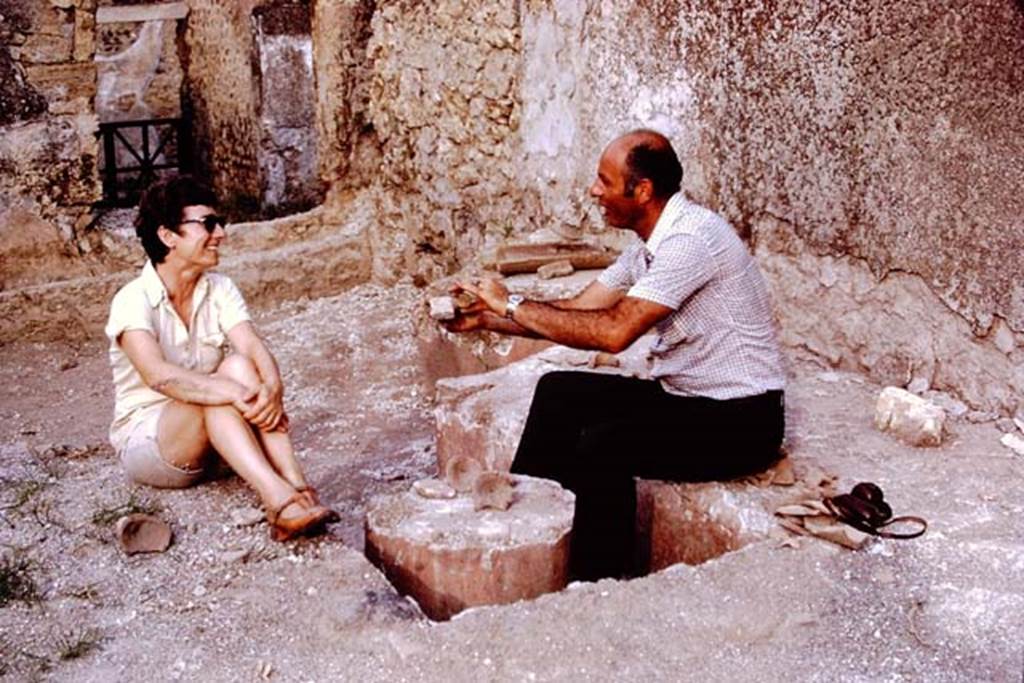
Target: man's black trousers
<point>594,433</point>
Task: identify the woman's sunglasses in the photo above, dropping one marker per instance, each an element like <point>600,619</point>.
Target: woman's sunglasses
<point>210,222</point>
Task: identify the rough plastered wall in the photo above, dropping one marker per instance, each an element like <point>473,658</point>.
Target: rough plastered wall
<point>288,154</point>
<point>871,152</point>
<point>139,69</point>
<point>222,98</point>
<point>251,93</point>
<point>445,108</point>
<point>48,177</point>
<point>347,147</point>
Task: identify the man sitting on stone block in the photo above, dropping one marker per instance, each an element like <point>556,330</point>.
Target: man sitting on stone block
<point>714,408</point>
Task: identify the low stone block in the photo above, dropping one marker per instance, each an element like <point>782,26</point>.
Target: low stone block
<point>482,416</point>
<point>696,522</point>
<point>448,556</point>
<point>910,418</point>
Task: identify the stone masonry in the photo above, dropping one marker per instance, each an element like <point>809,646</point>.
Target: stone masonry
<point>48,178</point>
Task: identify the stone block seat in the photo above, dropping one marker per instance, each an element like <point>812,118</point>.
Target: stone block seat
<point>449,556</point>
<point>482,417</point>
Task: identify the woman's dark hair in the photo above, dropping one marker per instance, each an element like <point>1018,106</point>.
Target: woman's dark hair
<point>652,157</point>
<point>164,203</point>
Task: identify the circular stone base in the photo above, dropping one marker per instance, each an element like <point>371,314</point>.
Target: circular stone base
<point>448,557</point>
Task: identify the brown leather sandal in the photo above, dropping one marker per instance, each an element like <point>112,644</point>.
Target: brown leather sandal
<point>283,529</point>
<point>309,494</point>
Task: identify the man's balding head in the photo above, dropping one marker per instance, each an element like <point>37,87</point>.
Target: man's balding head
<point>649,155</point>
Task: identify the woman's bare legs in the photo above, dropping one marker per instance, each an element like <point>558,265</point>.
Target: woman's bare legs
<point>277,444</point>
<point>186,432</point>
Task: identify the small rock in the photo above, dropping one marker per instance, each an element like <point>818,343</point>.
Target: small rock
<point>979,416</point>
<point>1006,425</point>
<point>602,359</point>
<point>140,533</point>
<point>242,517</point>
<point>442,308</point>
<point>494,491</point>
<point>910,418</point>
<point>233,556</point>
<point>1018,423</point>
<point>433,488</point>
<point>557,269</point>
<point>68,364</point>
<point>918,385</point>
<point>462,472</point>
<point>951,405</point>
<point>1013,442</point>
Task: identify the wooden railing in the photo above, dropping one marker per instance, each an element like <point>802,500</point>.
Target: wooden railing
<point>134,153</point>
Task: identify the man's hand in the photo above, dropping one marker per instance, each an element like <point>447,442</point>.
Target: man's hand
<point>488,290</point>
<point>466,321</point>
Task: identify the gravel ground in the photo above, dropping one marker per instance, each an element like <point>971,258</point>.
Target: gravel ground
<point>226,603</point>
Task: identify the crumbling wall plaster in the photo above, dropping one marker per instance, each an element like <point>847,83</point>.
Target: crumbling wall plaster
<point>288,154</point>
<point>348,152</point>
<point>139,71</point>
<point>884,137</point>
<point>221,98</point>
<point>445,106</point>
<point>48,177</point>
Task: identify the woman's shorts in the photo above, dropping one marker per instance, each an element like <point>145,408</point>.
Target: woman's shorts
<point>141,456</point>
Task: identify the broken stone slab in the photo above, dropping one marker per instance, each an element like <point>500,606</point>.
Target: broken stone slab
<point>527,258</point>
<point>556,269</point>
<point>448,556</point>
<point>142,533</point>
<point>481,417</point>
<point>493,491</point>
<point>910,418</point>
<point>462,472</point>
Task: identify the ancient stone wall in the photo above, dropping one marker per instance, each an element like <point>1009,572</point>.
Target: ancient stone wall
<point>445,107</point>
<point>222,98</point>
<point>876,142</point>
<point>48,175</point>
<point>251,93</point>
<point>348,151</point>
<point>288,154</point>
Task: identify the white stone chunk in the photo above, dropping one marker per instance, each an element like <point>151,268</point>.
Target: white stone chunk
<point>442,308</point>
<point>1013,442</point>
<point>910,418</point>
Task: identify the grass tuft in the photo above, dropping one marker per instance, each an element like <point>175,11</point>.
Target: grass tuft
<point>76,645</point>
<point>16,582</point>
<point>108,515</point>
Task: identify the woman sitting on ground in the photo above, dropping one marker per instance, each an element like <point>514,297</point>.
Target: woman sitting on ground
<point>179,395</point>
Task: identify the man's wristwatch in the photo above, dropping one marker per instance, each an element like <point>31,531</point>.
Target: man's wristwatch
<point>513,303</point>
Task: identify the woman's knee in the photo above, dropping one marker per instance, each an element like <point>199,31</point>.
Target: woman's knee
<point>238,368</point>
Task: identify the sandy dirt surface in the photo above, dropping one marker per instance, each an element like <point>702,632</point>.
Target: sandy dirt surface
<point>226,603</point>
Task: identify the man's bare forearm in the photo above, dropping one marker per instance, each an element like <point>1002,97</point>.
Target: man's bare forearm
<point>581,329</point>
<point>496,323</point>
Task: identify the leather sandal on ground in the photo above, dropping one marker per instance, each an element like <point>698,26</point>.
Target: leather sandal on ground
<point>282,529</point>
